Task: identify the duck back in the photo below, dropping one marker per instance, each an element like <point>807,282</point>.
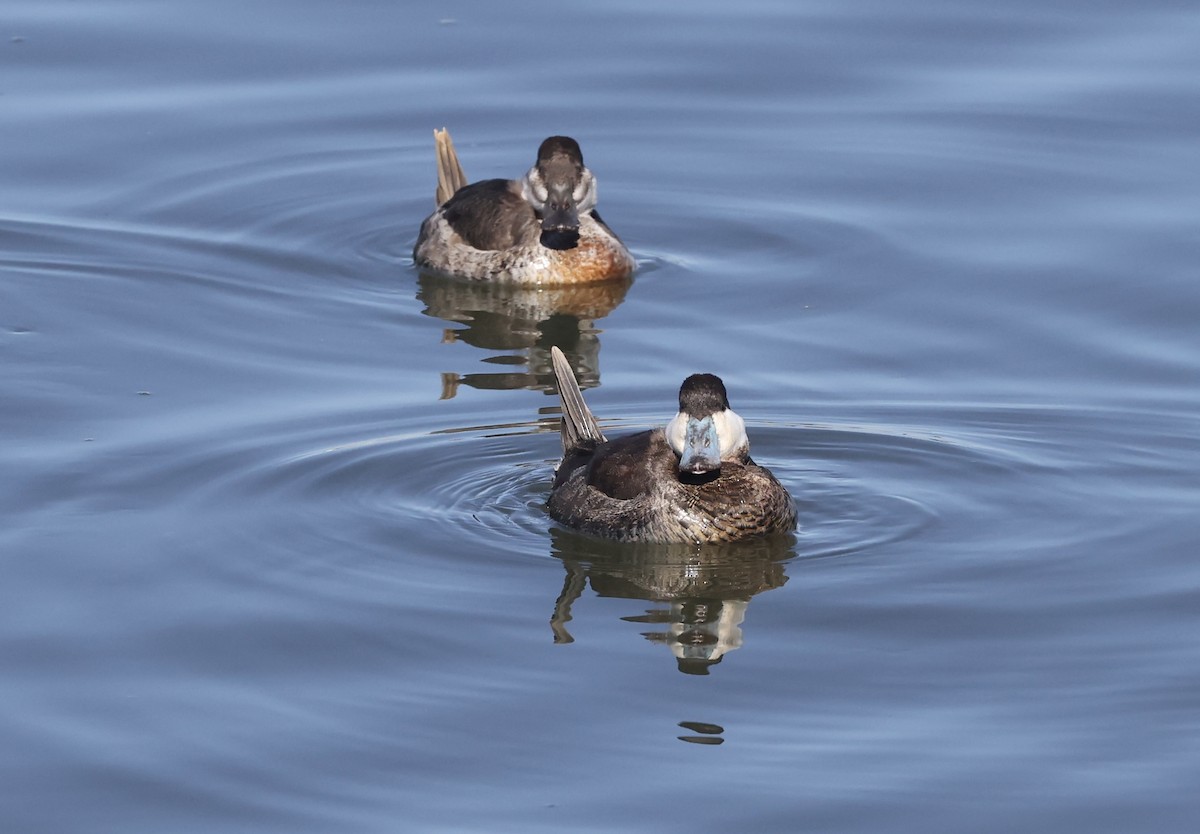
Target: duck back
<point>492,214</point>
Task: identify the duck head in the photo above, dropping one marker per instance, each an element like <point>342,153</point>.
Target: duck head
<point>706,430</point>
<point>558,186</point>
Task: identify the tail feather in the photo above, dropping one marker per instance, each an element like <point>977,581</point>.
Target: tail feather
<point>579,427</point>
<point>450,172</point>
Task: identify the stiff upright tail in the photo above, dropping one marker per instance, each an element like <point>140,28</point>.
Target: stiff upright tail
<point>450,173</point>
<point>579,427</point>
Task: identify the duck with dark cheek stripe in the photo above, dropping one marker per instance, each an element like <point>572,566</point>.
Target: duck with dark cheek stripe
<point>540,229</point>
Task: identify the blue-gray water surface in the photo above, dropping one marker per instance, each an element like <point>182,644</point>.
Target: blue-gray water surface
<point>274,555</point>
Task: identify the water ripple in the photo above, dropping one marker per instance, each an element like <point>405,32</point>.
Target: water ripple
<point>856,489</point>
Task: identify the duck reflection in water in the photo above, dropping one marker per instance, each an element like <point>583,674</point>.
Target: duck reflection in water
<point>520,323</point>
<point>699,593</point>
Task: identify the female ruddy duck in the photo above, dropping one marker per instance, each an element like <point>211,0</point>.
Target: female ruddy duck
<point>542,229</point>
<point>692,481</point>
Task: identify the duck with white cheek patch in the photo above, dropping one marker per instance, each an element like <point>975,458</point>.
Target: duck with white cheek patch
<point>692,481</point>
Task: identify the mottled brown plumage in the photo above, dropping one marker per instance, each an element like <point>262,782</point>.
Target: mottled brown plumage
<point>632,489</point>
<point>541,229</point>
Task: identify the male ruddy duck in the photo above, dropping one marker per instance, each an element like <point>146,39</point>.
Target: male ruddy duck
<point>692,481</point>
<point>541,229</point>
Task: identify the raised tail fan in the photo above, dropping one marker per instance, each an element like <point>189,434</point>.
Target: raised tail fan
<point>579,427</point>
<point>450,173</point>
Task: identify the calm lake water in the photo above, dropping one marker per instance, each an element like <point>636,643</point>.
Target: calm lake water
<point>273,548</point>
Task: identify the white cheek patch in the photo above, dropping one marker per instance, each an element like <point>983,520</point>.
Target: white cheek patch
<point>534,190</point>
<point>584,194</point>
<point>731,432</point>
<point>675,430</point>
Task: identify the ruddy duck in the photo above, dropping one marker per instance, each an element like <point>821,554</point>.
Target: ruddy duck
<point>541,229</point>
<point>692,481</point>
